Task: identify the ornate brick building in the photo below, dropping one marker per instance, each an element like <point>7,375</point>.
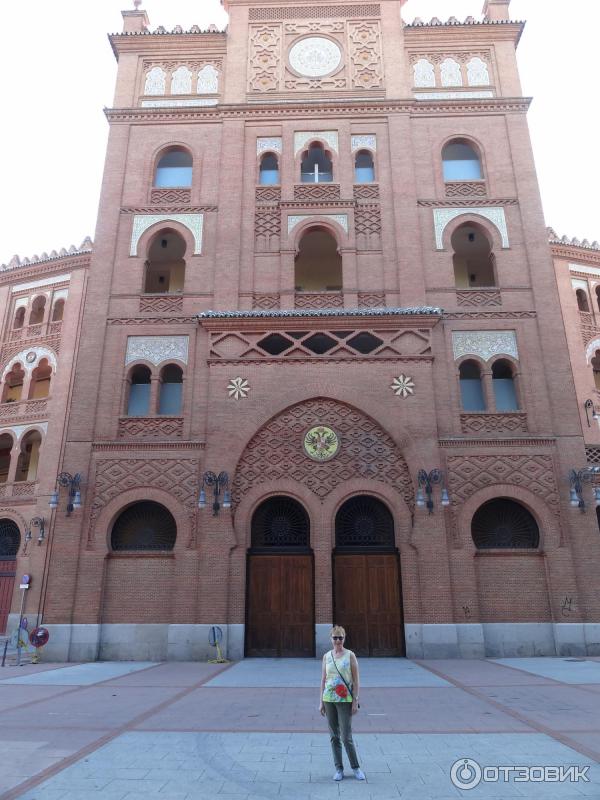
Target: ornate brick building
<point>321,267</point>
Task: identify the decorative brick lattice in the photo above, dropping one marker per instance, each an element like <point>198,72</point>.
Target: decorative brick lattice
<point>365,54</point>
<point>267,228</point>
<point>367,191</point>
<point>479,297</point>
<point>319,300</point>
<point>12,348</point>
<point>314,12</point>
<point>163,303</point>
<point>160,196</point>
<point>268,194</point>
<point>317,191</point>
<point>23,489</point>
<point>54,328</point>
<point>592,454</point>
<point>366,451</point>
<point>150,427</point>
<point>265,58</point>
<point>371,299</point>
<point>26,410</point>
<point>494,423</point>
<point>367,222</point>
<point>266,301</point>
<point>466,189</point>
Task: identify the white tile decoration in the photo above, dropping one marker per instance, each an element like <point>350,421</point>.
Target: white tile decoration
<point>452,95</point>
<point>208,80</point>
<point>156,81</point>
<point>18,430</point>
<point>157,349</point>
<point>484,344</point>
<point>580,268</point>
<point>424,73</point>
<point>21,287</point>
<point>21,357</point>
<point>315,56</point>
<point>181,82</point>
<point>302,138</point>
<point>368,141</point>
<point>577,283</point>
<point>442,216</point>
<point>341,219</point>
<point>451,74</point>
<point>478,73</point>
<point>266,144</point>
<point>591,349</point>
<point>141,223</point>
<point>196,103</point>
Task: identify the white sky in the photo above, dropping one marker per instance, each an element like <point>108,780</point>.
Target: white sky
<point>59,71</point>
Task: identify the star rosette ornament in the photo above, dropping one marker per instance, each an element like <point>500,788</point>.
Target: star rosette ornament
<point>238,388</point>
<point>403,386</point>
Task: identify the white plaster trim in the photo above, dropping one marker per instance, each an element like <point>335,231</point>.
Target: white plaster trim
<point>18,430</point>
<point>587,270</point>
<point>269,144</point>
<point>21,287</point>
<point>302,138</point>
<point>453,95</point>
<point>591,349</point>
<point>62,294</point>
<point>366,141</point>
<point>443,216</point>
<point>196,102</point>
<point>484,344</point>
<point>296,219</point>
<point>578,283</point>
<point>157,349</point>
<point>141,222</point>
<point>21,302</point>
<point>40,352</point>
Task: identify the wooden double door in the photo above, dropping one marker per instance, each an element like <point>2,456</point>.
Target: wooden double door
<point>7,585</point>
<point>280,608</point>
<point>368,604</point>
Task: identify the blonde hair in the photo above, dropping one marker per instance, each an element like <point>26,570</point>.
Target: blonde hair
<point>337,630</point>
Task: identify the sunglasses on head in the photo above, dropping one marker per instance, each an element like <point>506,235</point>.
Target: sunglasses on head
<point>337,637</point>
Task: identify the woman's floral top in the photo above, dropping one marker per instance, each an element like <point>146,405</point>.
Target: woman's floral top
<point>335,689</point>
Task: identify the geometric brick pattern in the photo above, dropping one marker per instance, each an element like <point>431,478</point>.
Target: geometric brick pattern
<point>150,427</point>
<point>268,194</point>
<point>159,196</point>
<point>315,12</point>
<point>466,189</point>
<point>163,303</point>
<point>366,191</point>
<point>366,451</point>
<point>493,423</point>
<point>365,54</point>
<point>303,191</point>
<point>318,300</point>
<point>264,58</point>
<point>371,299</point>
<point>266,301</point>
<point>483,297</point>
<point>267,227</point>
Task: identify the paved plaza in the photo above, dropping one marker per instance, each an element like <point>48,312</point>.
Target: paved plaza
<point>252,731</point>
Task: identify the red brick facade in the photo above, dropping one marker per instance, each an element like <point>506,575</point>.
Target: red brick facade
<point>376,355</point>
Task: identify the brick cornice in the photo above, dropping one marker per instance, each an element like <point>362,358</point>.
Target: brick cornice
<point>459,202</point>
<point>525,441</point>
<point>41,269</point>
<point>573,253</point>
<point>480,33</point>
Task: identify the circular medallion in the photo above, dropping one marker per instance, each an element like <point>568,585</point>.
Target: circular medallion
<point>321,443</point>
<point>30,357</point>
<point>315,57</point>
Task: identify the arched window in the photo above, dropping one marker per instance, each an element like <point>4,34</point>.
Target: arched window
<point>505,393</point>
<point>19,318</point>
<point>174,168</point>
<point>165,267</point>
<point>317,166</point>
<point>461,162</point>
<point>280,523</point>
<point>139,392</point>
<point>582,300</point>
<point>144,526</point>
<point>269,170</point>
<point>27,465</point>
<point>58,310</point>
<point>364,167</point>
<point>364,522</point>
<point>471,389</point>
<point>6,446</point>
<point>318,264</point>
<point>171,386</point>
<point>473,260</point>
<point>504,523</point>
<point>40,380</point>
<point>37,310</point>
<point>10,539</point>
<point>596,369</point>
<point>13,384</point>
<point>598,297</point>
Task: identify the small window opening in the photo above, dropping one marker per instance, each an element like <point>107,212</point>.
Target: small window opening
<point>269,170</point>
<point>582,300</point>
<point>165,267</point>
<point>27,465</point>
<point>19,318</point>
<point>316,166</point>
<point>40,381</point>
<point>503,382</point>
<point>471,388</point>
<point>6,445</point>
<point>364,168</point>
<point>174,169</point>
<point>13,384</point>
<point>171,390</point>
<point>318,266</point>
<point>473,259</point>
<point>37,311</point>
<point>461,162</point>
<point>139,392</point>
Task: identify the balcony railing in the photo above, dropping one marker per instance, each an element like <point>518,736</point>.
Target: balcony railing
<point>34,331</point>
<point>24,409</point>
<point>18,489</point>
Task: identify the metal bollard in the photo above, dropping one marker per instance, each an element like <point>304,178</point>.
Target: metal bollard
<point>4,653</point>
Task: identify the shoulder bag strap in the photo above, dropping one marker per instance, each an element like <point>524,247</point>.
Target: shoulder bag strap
<point>341,676</point>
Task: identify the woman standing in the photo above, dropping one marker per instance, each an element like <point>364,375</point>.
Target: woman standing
<point>339,701</point>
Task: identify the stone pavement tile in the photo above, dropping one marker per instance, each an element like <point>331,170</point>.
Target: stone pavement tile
<point>589,739</point>
<point>558,707</point>
<point>82,794</point>
<point>482,672</point>
<point>171,673</point>
<point>11,696</point>
<point>79,674</point>
<point>559,669</point>
<point>43,793</point>
<point>28,669</point>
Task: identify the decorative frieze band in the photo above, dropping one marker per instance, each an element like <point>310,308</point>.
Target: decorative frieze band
<point>157,349</point>
<point>484,344</point>
<point>30,359</point>
<point>296,219</point>
<point>141,222</point>
<point>453,95</point>
<point>443,216</point>
<point>269,144</point>
<point>368,141</point>
<point>302,138</point>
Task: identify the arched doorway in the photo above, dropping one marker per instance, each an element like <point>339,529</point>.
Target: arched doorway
<point>280,616</point>
<point>10,539</point>
<point>366,578</point>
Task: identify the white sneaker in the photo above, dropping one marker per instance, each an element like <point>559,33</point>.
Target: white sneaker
<point>359,774</point>
<point>339,775</point>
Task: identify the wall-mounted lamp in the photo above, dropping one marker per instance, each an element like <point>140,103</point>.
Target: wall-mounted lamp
<point>36,522</point>
<point>427,481</point>
<point>589,407</point>
<point>577,479</point>
<point>74,483</point>
<point>218,482</point>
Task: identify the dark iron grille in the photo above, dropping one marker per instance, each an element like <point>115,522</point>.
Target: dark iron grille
<point>144,526</point>
<point>364,522</point>
<point>280,522</point>
<point>503,523</point>
<point>10,539</point>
